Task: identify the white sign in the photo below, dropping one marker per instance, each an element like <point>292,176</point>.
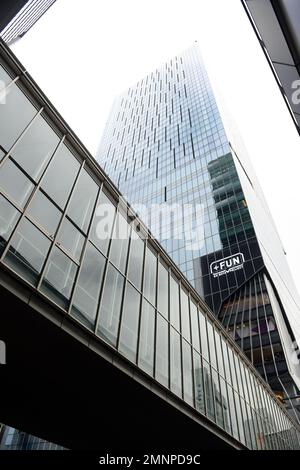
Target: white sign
<point>227,265</point>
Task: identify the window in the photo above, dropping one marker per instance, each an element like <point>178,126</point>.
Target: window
<point>203,336</point>
<point>198,383</point>
<point>163,294</point>
<point>195,326</point>
<point>129,323</point>
<point>35,147</point>
<point>9,217</point>
<point>211,342</point>
<point>110,306</point>
<point>174,303</point>
<point>175,366</point>
<point>219,354</point>
<point>162,348</point>
<point>187,373</point>
<point>71,239</point>
<point>27,251</point>
<point>185,316</point>
<point>59,278</point>
<point>44,212</point>
<point>88,286</point>
<point>119,244</point>
<point>60,175</point>
<point>209,395</point>
<point>146,348</point>
<point>14,183</point>
<point>14,116</point>
<point>83,200</point>
<point>102,223</point>
<point>135,264</point>
<point>150,276</point>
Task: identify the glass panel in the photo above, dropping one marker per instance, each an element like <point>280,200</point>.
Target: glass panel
<point>129,323</point>
<point>163,294</point>
<point>88,286</point>
<point>226,362</point>
<point>135,263</point>
<point>146,348</point>
<point>203,335</point>
<point>195,326</point>
<point>209,396</point>
<point>60,175</point>
<point>185,317</point>
<point>219,354</point>
<point>35,147</point>
<point>162,351</point>
<point>239,418</point>
<point>71,239</point>
<point>14,116</point>
<point>14,183</point>
<point>212,347</point>
<point>198,380</point>
<point>120,242</point>
<point>59,277</point>
<point>175,366</point>
<point>102,223</point>
<point>218,399</point>
<point>174,303</point>
<point>5,79</point>
<point>28,250</point>
<point>9,217</point>
<point>1,155</point>
<point>150,276</point>
<point>187,373</point>
<point>110,306</point>
<point>232,412</point>
<point>83,201</point>
<point>44,212</point>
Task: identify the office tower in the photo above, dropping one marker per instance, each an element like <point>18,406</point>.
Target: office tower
<point>166,144</point>
<point>103,331</point>
<point>17,17</point>
<point>277,27</point>
<point>12,439</point>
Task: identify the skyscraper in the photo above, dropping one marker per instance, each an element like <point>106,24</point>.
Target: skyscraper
<point>166,145</point>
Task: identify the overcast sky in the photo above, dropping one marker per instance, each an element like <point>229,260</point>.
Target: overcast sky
<point>82,54</point>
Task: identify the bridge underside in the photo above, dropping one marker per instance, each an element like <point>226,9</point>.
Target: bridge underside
<point>61,384</point>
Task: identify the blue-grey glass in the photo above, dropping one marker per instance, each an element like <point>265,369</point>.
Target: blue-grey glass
<point>188,392</point>
<point>135,263</point>
<point>209,394</point>
<point>232,413</point>
<point>59,277</point>
<point>15,115</point>
<point>211,343</point>
<point>218,399</point>
<point>185,316</point>
<point>35,148</point>
<point>129,323</point>
<point>103,223</point>
<point>83,201</point>
<point>119,244</point>
<point>225,405</point>
<point>198,382</point>
<point>70,239</point>
<point>44,212</point>
<point>60,175</point>
<point>175,362</point>
<point>203,336</point>
<point>86,295</point>
<point>219,354</point>
<point>146,343</point>
<point>14,183</point>
<point>239,417</point>
<point>9,217</point>
<point>163,293</point>
<point>110,306</point>
<point>28,250</point>
<point>150,276</point>
<point>194,326</point>
<point>5,79</point>
<point>174,303</point>
<point>162,351</point>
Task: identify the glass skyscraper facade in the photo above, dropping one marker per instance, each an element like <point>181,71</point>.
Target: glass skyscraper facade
<point>165,144</point>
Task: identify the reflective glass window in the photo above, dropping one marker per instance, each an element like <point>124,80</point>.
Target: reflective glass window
<point>232,412</point>
<point>129,323</point>
<point>209,394</point>
<point>203,336</point>
<point>198,383</point>
<point>60,175</point>
<point>185,316</point>
<point>150,276</point>
<point>135,263</point>
<point>14,183</point>
<point>212,347</point>
<point>218,398</point>
<point>70,239</point>
<point>175,362</point>
<point>83,201</point>
<point>162,351</point>
<point>44,213</point>
<point>163,294</point>
<point>174,303</point>
<point>9,217</point>
<point>119,244</point>
<point>27,251</point>
<point>146,347</point>
<point>239,417</point>
<point>102,223</point>
<point>187,373</point>
<point>110,306</point>
<point>88,286</point>
<point>59,277</point>
<point>35,147</point>
<point>194,326</point>
<point>219,354</point>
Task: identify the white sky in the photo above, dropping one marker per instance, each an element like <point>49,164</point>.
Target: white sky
<point>82,54</point>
